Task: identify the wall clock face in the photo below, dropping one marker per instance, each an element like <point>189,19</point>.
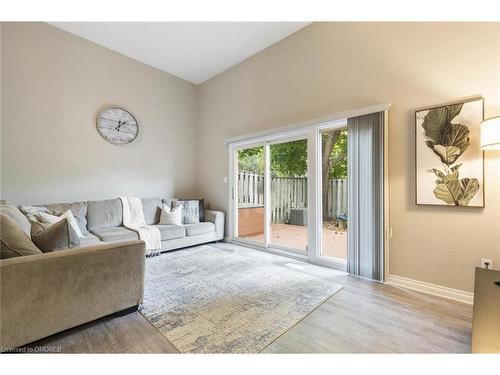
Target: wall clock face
<point>117,126</point>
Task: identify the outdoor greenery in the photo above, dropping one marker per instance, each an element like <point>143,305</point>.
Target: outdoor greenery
<point>290,159</point>
<point>338,156</point>
<point>251,160</point>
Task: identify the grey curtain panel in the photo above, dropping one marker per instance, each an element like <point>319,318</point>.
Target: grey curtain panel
<point>366,196</point>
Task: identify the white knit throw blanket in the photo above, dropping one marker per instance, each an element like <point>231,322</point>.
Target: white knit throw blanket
<point>133,219</point>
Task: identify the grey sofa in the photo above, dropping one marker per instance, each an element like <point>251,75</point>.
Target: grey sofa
<point>45,293</point>
<point>102,221</point>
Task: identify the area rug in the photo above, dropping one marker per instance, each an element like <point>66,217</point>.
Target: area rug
<point>230,299</point>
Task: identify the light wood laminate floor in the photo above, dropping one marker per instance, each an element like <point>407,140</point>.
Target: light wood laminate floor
<point>364,317</point>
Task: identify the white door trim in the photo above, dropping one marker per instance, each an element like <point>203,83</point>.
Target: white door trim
<point>315,200</point>
<point>304,126</point>
<point>387,218</point>
<point>311,131</point>
<point>267,195</point>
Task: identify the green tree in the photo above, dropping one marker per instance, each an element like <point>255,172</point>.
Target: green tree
<point>290,159</point>
<point>333,160</point>
<point>251,160</point>
<point>338,156</point>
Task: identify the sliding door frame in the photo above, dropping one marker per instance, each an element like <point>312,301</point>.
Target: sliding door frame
<point>387,228</point>
<point>314,229</point>
<point>270,244</point>
<point>233,200</point>
<point>316,214</point>
<point>312,130</point>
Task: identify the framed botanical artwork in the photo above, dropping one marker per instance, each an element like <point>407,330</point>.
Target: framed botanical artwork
<point>448,158</point>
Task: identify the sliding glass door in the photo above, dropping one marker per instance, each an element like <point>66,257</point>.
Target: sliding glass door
<point>334,182</point>
<point>288,200</point>
<point>249,191</point>
<point>273,215</point>
<point>316,193</point>
<point>277,185</point>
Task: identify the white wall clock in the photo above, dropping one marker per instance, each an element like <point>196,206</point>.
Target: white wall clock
<point>117,126</point>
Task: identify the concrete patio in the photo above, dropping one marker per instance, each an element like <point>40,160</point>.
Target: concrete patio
<point>295,236</point>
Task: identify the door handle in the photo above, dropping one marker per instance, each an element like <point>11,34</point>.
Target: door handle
<point>497,283</point>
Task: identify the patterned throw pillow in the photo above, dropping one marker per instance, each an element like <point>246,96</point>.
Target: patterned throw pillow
<point>193,210</point>
<point>32,212</point>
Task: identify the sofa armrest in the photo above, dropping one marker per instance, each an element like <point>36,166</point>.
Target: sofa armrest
<point>216,217</point>
<point>47,293</point>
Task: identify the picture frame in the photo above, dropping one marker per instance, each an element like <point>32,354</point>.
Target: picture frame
<point>449,163</point>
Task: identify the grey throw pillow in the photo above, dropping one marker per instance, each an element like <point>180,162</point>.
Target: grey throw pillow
<point>193,210</point>
<point>58,236</point>
<point>13,241</point>
<point>78,209</point>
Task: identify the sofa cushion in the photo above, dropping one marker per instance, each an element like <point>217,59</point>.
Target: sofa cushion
<point>104,214</point>
<point>199,228</point>
<point>151,208</point>
<point>89,240</point>
<point>16,215</point>
<point>115,234</point>
<point>78,209</point>
<point>58,236</point>
<point>13,241</point>
<point>169,232</point>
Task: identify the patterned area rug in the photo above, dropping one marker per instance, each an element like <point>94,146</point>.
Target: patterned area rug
<point>229,299</point>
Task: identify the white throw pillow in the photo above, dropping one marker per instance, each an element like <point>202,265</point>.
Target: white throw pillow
<point>171,216</point>
<point>52,219</point>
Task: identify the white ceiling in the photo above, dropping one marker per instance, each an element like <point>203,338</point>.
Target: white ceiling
<point>194,51</point>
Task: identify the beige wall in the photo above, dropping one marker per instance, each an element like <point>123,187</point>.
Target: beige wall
<point>54,84</point>
<point>331,67</point>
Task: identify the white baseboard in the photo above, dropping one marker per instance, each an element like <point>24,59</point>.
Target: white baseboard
<point>435,290</point>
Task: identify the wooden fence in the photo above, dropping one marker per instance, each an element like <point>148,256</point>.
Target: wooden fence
<point>288,193</point>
